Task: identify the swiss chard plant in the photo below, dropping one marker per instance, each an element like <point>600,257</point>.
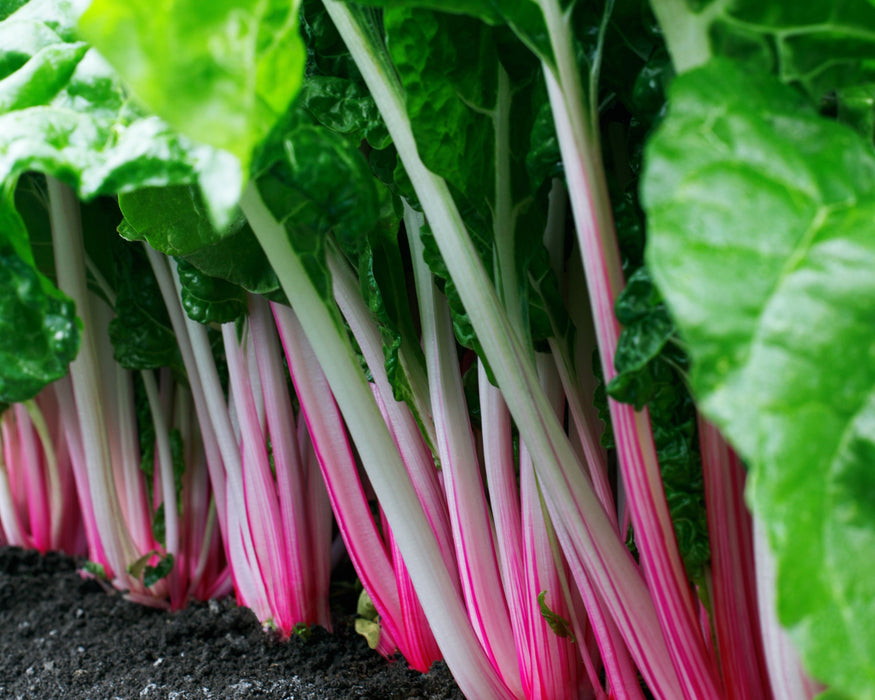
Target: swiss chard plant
<point>536,297</point>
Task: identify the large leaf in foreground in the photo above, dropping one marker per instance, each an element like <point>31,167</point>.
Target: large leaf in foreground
<point>64,112</point>
<point>762,240</point>
<point>222,72</point>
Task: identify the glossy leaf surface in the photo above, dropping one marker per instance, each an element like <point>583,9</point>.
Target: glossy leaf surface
<point>762,241</point>
<point>222,72</point>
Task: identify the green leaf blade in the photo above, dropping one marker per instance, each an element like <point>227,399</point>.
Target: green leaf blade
<point>65,113</point>
<point>39,331</point>
<point>762,242</point>
<point>222,72</point>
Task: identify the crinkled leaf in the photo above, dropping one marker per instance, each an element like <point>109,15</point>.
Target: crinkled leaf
<point>467,91</point>
<point>326,51</point>
<point>39,331</point>
<point>209,299</point>
<point>174,221</point>
<point>822,45</point>
<point>647,329</point>
<point>345,106</point>
<point>523,16</point>
<point>673,417</point>
<point>222,72</point>
<point>762,242</point>
<point>322,185</point>
<point>141,333</point>
<point>647,365</point>
<point>448,67</point>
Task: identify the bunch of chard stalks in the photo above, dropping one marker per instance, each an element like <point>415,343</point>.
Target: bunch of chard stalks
<point>498,544</point>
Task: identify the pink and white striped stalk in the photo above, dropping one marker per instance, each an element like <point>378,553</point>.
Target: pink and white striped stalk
<point>112,545</point>
<point>660,559</point>
<point>277,541</point>
<point>38,506</point>
<point>376,561</point>
<point>466,499</point>
<point>418,460</point>
<point>260,505</point>
<point>584,530</point>
<point>735,613</point>
<point>305,515</point>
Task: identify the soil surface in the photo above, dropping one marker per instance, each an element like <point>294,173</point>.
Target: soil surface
<point>62,636</point>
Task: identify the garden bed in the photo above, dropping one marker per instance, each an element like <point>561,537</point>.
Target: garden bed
<point>66,637</point>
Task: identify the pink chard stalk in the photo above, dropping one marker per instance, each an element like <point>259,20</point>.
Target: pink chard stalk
<point>96,409</point>
<point>38,506</point>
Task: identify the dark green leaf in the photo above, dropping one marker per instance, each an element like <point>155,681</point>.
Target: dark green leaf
<point>141,333</point>
<point>39,331</point>
<point>345,106</point>
<point>153,574</point>
<point>209,299</point>
<point>322,185</point>
<point>174,221</point>
<point>647,329</point>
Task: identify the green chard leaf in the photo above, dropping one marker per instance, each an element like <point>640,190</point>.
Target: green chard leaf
<point>468,89</point>
<point>647,329</point>
<point>223,73</point>
<point>345,106</point>
<point>39,331</point>
<point>174,220</point>
<point>762,241</point>
<point>322,185</point>
<point>64,112</point>
<point>648,366</point>
<point>523,16</point>
<point>820,45</point>
<point>209,299</point>
<point>448,67</point>
<point>141,333</point>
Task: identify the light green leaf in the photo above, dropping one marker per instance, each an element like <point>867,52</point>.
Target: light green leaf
<point>222,72</point>
<point>64,112</point>
<point>762,241</point>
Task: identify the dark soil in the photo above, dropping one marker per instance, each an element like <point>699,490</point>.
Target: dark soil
<point>62,636</point>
